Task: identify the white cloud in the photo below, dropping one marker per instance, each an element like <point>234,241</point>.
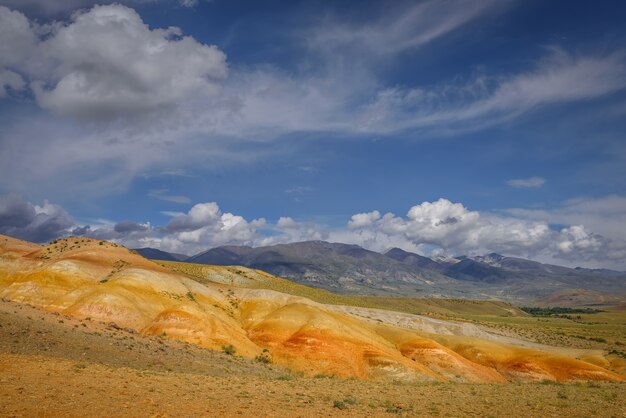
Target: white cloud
<point>604,215</point>
<point>361,220</point>
<point>455,229</point>
<point>205,226</point>
<point>575,239</point>
<point>531,182</point>
<point>108,63</point>
<point>399,29</point>
<point>439,228</point>
<point>162,194</point>
<point>484,101</point>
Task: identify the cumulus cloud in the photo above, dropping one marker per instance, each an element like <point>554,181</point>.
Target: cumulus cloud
<point>110,63</point>
<point>433,228</point>
<point>21,219</point>
<point>106,63</point>
<point>531,182</point>
<point>596,231</point>
<point>288,230</point>
<point>205,226</point>
<point>361,220</point>
<point>452,227</point>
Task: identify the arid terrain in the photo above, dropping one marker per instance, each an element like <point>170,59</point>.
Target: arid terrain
<point>89,328</point>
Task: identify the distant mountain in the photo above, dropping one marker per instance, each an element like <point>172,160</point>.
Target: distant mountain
<point>414,260</point>
<point>154,254</point>
<point>338,267</point>
<point>472,270</point>
<point>521,264</point>
<point>344,268</point>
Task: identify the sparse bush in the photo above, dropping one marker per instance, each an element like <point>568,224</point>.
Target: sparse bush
<point>190,296</point>
<point>229,349</point>
<point>264,357</point>
<point>393,409</point>
<point>339,405</point>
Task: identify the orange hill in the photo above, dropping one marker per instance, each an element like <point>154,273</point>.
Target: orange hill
<point>81,277</point>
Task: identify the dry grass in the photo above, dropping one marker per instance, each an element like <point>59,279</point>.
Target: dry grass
<point>67,369</point>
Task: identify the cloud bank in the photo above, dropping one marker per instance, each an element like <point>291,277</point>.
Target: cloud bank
<point>440,227</point>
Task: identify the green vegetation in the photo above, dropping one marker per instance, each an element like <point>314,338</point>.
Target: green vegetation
<point>229,349</point>
<point>558,310</point>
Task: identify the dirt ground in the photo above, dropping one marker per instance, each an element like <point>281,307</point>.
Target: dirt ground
<point>52,365</point>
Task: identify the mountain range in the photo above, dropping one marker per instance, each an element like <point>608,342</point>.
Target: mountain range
<point>345,268</point>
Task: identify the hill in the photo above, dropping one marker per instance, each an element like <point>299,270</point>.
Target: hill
<point>155,254</point>
<point>98,281</point>
<point>258,279</point>
<point>337,267</point>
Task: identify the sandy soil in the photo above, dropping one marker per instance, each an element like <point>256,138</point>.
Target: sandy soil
<point>52,365</point>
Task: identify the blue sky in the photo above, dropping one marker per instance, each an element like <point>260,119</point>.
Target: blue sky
<point>476,125</point>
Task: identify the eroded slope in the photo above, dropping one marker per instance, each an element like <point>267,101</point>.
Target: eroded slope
<point>85,278</point>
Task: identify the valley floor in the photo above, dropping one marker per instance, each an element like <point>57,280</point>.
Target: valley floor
<point>51,365</point>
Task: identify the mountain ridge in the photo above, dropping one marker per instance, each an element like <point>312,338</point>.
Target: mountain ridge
<point>349,268</point>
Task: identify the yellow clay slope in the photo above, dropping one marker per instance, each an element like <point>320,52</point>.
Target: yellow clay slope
<point>82,277</point>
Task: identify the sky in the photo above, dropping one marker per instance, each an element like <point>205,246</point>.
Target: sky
<point>444,127</point>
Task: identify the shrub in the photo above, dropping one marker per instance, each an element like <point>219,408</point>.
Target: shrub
<point>339,405</point>
<point>229,349</point>
<point>264,357</point>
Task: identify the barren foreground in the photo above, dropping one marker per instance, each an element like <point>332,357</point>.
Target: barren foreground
<point>51,365</point>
